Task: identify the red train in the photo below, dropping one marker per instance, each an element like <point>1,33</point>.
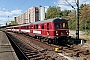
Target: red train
<point>52,30</point>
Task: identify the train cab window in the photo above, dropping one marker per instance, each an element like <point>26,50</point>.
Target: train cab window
<point>57,25</point>
<point>64,25</point>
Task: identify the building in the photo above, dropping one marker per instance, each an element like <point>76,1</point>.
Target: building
<point>31,15</point>
<point>34,14</point>
<point>17,19</point>
<point>41,13</point>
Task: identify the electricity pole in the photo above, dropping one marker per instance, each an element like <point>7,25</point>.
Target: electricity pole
<point>77,22</point>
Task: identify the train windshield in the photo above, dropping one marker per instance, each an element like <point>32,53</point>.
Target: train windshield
<point>61,25</point>
<point>57,25</point>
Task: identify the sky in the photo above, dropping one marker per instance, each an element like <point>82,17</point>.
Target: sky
<point>11,8</point>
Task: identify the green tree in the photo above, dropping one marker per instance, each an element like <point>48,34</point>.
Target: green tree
<point>13,23</point>
<point>85,16</point>
<point>84,23</point>
<point>66,15</point>
<point>66,12</point>
<point>72,20</point>
<point>53,12</point>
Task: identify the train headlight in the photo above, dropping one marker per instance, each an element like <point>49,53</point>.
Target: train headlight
<point>56,32</point>
<point>67,32</point>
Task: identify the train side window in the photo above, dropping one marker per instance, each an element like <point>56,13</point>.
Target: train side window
<point>22,27</point>
<point>25,27</point>
<point>15,27</point>
<point>28,27</point>
<point>47,26</point>
<point>42,26</point>
<point>31,27</point>
<point>36,26</point>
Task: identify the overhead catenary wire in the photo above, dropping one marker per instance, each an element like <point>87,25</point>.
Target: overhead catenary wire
<point>69,4</point>
<point>22,4</point>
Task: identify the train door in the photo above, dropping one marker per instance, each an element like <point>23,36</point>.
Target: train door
<point>43,29</point>
<point>48,33</point>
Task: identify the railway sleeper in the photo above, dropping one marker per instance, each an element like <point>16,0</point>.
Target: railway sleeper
<point>38,58</point>
<point>34,56</point>
<point>27,50</point>
<point>86,53</point>
<point>31,53</point>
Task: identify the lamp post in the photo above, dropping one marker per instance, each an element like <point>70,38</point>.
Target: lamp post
<point>7,23</point>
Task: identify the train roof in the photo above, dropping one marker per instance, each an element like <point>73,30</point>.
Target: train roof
<point>24,24</point>
<point>20,25</point>
<point>44,21</point>
<point>51,20</point>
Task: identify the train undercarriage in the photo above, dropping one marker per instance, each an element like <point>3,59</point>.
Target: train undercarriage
<point>56,40</point>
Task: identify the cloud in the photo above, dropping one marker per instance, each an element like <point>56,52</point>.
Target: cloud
<point>84,1</point>
<point>11,13</point>
<point>16,12</point>
<point>6,19</point>
<point>4,15</point>
<point>66,6</point>
<point>46,7</point>
<point>3,20</point>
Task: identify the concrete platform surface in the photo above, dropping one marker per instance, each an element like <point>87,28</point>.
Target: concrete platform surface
<point>6,50</point>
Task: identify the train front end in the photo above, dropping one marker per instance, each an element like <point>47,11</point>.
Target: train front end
<point>61,30</point>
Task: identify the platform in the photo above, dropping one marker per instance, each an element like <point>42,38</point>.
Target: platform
<point>6,50</point>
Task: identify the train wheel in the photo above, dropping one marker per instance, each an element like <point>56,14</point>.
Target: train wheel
<point>46,40</point>
<point>37,37</point>
<point>40,38</point>
<point>52,41</point>
<point>49,41</point>
<point>56,41</point>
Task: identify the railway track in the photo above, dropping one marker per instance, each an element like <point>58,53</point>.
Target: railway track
<point>25,51</point>
<point>35,50</point>
<point>31,51</point>
<point>18,51</point>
